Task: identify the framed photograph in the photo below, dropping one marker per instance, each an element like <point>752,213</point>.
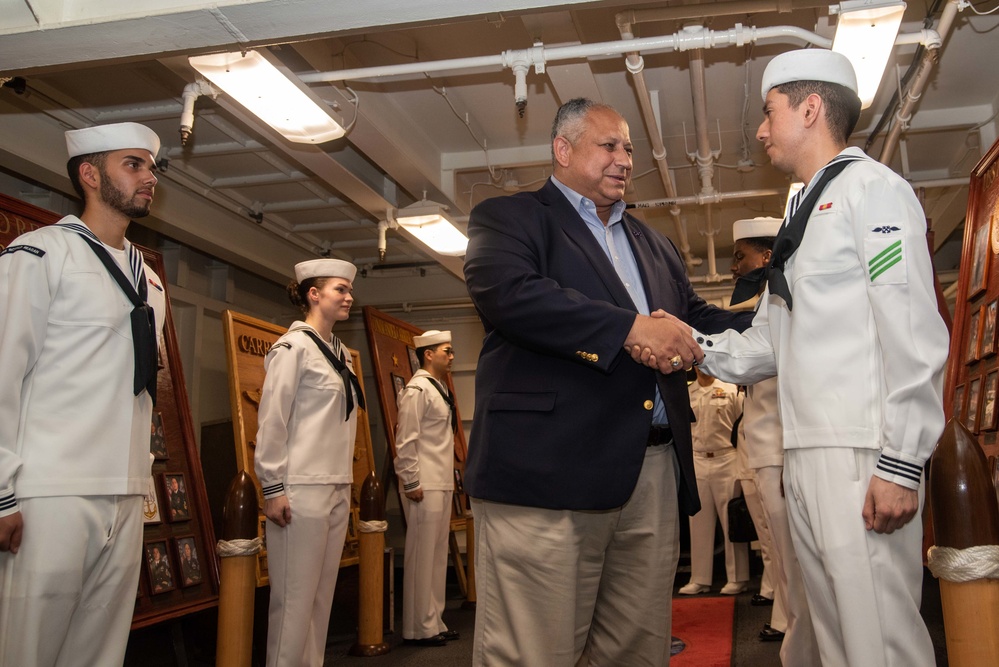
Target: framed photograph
<point>989,328</point>
<point>974,404</point>
<point>178,505</point>
<point>161,578</point>
<point>157,440</point>
<point>189,560</point>
<point>397,383</point>
<point>151,505</point>
<point>958,406</point>
<point>974,337</point>
<point>980,262</point>
<point>989,401</point>
<point>414,361</point>
<point>994,469</point>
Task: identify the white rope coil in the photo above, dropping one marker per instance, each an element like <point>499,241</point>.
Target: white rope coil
<point>372,526</point>
<point>960,565</point>
<point>226,549</point>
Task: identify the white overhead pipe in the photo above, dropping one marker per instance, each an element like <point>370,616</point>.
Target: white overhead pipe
<point>636,65</point>
<point>919,81</point>
<point>713,198</point>
<point>704,157</point>
<point>538,55</point>
<point>192,92</point>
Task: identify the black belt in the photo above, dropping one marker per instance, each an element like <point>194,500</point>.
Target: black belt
<point>659,435</point>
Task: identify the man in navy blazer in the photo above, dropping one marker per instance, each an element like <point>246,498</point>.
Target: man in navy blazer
<point>579,456</point>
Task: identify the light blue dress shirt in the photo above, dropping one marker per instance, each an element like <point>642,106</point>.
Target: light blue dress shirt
<point>613,239</point>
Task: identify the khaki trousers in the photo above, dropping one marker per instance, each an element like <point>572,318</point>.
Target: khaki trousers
<point>424,581</point>
<point>552,584</point>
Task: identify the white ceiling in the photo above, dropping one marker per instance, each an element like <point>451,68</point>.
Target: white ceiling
<point>455,134</point>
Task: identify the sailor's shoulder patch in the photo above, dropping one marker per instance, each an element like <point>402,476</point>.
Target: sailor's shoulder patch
<point>30,249</point>
<point>282,344</point>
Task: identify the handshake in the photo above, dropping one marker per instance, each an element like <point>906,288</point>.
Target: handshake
<point>662,342</point>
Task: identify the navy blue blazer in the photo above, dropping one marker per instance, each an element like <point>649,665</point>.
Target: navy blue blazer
<point>562,412</point>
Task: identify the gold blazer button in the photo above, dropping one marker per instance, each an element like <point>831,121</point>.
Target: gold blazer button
<point>647,405</point>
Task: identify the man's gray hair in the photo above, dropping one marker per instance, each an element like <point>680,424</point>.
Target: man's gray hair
<point>569,119</point>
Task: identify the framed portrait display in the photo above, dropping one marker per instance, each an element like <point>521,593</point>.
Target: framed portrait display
<point>989,311</point>
<point>989,401</point>
<point>398,384</point>
<point>161,577</point>
<point>974,337</point>
<point>974,404</point>
<point>151,505</point>
<point>189,561</point>
<point>957,406</point>
<point>178,506</point>
<point>157,441</point>
<point>980,262</point>
<point>414,361</point>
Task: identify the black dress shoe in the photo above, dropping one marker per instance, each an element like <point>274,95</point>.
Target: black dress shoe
<point>768,634</point>
<point>436,640</point>
<point>450,635</point>
<point>760,601</point>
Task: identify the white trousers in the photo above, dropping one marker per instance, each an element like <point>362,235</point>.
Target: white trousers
<point>303,560</point>
<point>67,596</point>
<point>799,648</point>
<point>424,582</point>
<point>553,583</point>
<point>863,587</point>
<point>770,579</point>
<point>715,486</point>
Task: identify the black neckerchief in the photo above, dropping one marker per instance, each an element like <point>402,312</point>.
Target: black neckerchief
<point>340,366</point>
<point>145,347</point>
<point>450,403</point>
<point>788,240</point>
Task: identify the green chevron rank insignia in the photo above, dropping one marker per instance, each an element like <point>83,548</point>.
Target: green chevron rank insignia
<point>885,255</point>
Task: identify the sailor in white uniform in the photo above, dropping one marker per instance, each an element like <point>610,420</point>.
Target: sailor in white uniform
<point>424,464</point>
<point>80,320</point>
<point>304,461</point>
<point>850,327</point>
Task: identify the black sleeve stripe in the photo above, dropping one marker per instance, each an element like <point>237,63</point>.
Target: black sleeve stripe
<point>37,252</point>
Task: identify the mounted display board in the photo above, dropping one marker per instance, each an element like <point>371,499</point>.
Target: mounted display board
<point>247,341</point>
<point>180,570</point>
<point>395,362</point>
<point>973,366</point>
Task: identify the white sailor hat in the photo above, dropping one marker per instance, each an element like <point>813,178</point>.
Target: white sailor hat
<point>116,136</point>
<point>754,228</point>
<point>325,268</point>
<point>809,65</point>
<point>432,337</point>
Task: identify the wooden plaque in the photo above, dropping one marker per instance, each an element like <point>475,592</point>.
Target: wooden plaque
<point>247,340</point>
<point>968,368</point>
<point>172,444</point>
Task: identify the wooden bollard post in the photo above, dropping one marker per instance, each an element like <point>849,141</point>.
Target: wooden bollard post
<point>238,550</point>
<point>469,602</point>
<point>370,636</point>
<point>965,523</point>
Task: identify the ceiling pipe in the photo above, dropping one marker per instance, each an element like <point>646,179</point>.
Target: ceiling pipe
<point>636,65</point>
<point>539,55</point>
<point>704,157</point>
<point>919,81</point>
<point>702,199</point>
<point>192,92</point>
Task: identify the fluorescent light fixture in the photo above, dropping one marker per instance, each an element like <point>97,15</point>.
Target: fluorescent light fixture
<point>428,221</point>
<point>865,33</point>
<point>262,84</point>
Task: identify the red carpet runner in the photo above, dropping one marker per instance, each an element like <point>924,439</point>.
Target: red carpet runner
<point>704,625</point>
